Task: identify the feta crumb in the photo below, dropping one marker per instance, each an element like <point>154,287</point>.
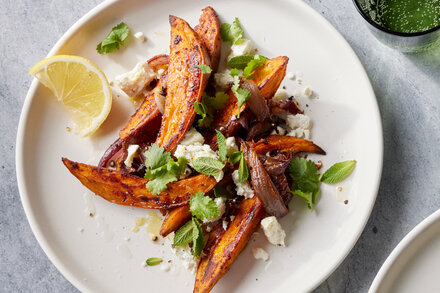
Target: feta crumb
<point>231,218</point>
<point>131,152</point>
<point>242,188</point>
<point>280,130</point>
<point>308,92</point>
<point>164,267</point>
<point>185,257</point>
<point>223,79</point>
<point>192,137</point>
<point>144,264</point>
<point>192,152</point>
<point>231,146</point>
<point>134,81</point>
<point>140,36</point>
<point>291,75</point>
<point>280,95</point>
<point>208,229</point>
<point>299,124</point>
<point>243,48</point>
<point>234,117</point>
<point>273,231</point>
<point>220,176</point>
<point>221,205</point>
<point>260,253</point>
<point>225,225</point>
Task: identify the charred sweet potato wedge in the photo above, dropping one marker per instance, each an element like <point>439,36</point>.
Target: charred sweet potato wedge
<point>208,30</point>
<point>129,190</point>
<point>286,144</point>
<point>268,78</point>
<point>185,84</point>
<point>228,246</point>
<point>174,220</point>
<point>144,125</point>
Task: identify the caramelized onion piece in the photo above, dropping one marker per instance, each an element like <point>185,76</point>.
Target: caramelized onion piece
<point>263,186</point>
<point>158,61</point>
<point>112,150</point>
<point>256,102</point>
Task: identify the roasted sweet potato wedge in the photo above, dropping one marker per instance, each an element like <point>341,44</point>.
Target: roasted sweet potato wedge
<point>144,125</point>
<point>174,220</point>
<point>229,245</point>
<point>185,84</point>
<point>282,143</point>
<point>125,189</point>
<point>268,78</point>
<point>208,30</point>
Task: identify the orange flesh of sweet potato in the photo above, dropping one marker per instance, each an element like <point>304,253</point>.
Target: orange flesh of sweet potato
<point>144,125</point>
<point>174,220</point>
<point>208,30</point>
<point>185,84</point>
<point>267,77</point>
<point>229,245</point>
<point>125,189</point>
<point>287,144</point>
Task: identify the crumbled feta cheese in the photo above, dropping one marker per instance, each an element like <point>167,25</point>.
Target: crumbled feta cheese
<point>299,125</point>
<point>140,36</point>
<point>234,117</point>
<point>192,152</point>
<point>242,188</point>
<point>231,218</point>
<point>280,130</point>
<point>131,152</point>
<point>164,267</point>
<point>134,81</point>
<point>291,75</point>
<point>244,47</point>
<point>225,225</point>
<point>280,95</point>
<point>192,137</point>
<point>231,146</point>
<point>208,228</point>
<point>221,205</point>
<point>220,176</point>
<point>260,253</point>
<point>273,231</point>
<point>308,92</point>
<point>223,79</point>
<point>185,257</point>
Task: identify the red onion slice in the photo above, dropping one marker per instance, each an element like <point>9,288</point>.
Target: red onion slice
<point>256,102</point>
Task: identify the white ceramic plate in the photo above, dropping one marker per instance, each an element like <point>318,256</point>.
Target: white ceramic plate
<point>414,264</point>
<point>346,124</point>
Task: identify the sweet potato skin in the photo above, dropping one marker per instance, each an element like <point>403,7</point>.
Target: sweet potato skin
<point>175,219</point>
<point>286,144</point>
<point>208,30</point>
<point>228,246</point>
<point>124,189</point>
<point>185,84</point>
<point>267,77</point>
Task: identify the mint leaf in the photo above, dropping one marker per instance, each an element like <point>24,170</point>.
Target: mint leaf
<point>198,240</point>
<point>207,166</point>
<point>305,179</point>
<point>159,183</point>
<point>155,156</point>
<point>221,143</point>
<point>184,235</point>
<point>153,261</point>
<point>207,107</point>
<point>241,94</point>
<point>220,191</point>
<point>235,157</point>
<point>243,171</point>
<point>253,65</point>
<point>231,32</point>
<point>338,172</point>
<point>240,62</point>
<point>204,68</point>
<point>115,38</point>
<point>203,207</point>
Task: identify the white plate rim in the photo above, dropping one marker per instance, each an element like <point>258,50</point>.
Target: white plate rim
<point>403,244</point>
<point>36,229</point>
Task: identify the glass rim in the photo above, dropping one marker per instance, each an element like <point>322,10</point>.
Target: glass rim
<point>386,30</point>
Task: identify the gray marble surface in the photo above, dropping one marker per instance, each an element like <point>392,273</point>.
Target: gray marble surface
<point>407,88</point>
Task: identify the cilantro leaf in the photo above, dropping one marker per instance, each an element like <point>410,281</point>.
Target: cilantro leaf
<point>155,156</point>
<point>204,68</point>
<point>338,172</point>
<point>305,179</point>
<point>221,143</point>
<point>207,166</point>
<point>231,32</point>
<point>240,62</point>
<point>243,171</point>
<point>159,184</point>
<point>234,72</point>
<point>253,65</point>
<point>153,261</point>
<point>115,38</point>
<point>203,207</point>
<point>184,235</point>
<point>235,157</point>
<point>241,94</point>
<point>198,240</point>
<point>207,107</point>
<point>219,101</point>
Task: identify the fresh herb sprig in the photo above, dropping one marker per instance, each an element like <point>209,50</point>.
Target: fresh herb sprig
<point>241,94</point>
<point>207,106</point>
<point>232,32</point>
<point>114,39</point>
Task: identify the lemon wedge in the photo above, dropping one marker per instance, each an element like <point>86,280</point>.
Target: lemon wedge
<point>80,85</point>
